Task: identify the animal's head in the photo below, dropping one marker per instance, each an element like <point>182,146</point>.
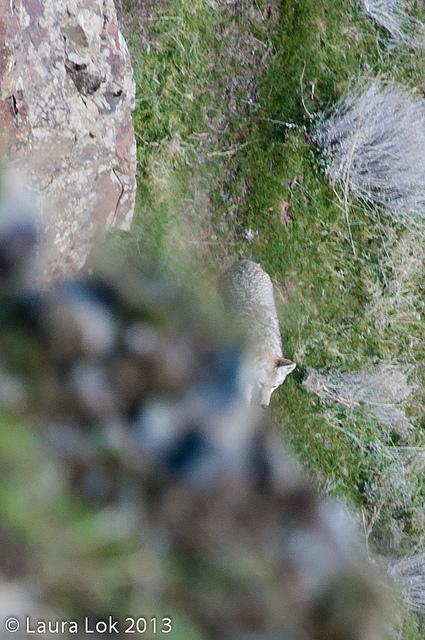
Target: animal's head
<point>271,373</point>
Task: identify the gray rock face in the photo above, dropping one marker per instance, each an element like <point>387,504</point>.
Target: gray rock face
<point>66,98</point>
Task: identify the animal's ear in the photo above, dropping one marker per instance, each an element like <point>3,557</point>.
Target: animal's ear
<point>287,364</point>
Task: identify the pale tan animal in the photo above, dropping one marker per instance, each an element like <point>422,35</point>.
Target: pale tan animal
<point>248,291</point>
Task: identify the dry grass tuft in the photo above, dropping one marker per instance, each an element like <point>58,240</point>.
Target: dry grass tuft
<point>373,145</point>
<point>409,573</point>
<point>397,310</point>
<point>394,17</point>
<point>383,391</point>
<point>390,493</point>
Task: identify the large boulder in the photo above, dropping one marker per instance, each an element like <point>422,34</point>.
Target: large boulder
<point>66,99</point>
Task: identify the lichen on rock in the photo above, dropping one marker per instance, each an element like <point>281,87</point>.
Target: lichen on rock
<point>66,98</point>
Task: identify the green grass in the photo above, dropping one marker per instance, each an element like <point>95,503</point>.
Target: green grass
<point>174,78</point>
<point>324,319</point>
<point>201,192</point>
<point>222,175</point>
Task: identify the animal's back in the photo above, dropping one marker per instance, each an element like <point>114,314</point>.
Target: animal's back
<point>245,285</point>
<point>248,290</point>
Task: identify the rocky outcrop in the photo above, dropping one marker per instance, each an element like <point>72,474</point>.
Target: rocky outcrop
<point>66,98</point>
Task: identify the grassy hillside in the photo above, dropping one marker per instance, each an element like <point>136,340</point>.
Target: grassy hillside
<point>226,97</point>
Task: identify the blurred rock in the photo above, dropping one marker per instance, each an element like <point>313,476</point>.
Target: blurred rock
<point>145,419</point>
<point>18,231</point>
<point>66,98</point>
<point>155,425</point>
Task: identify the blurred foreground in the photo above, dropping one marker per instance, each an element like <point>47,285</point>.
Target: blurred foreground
<point>137,482</point>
